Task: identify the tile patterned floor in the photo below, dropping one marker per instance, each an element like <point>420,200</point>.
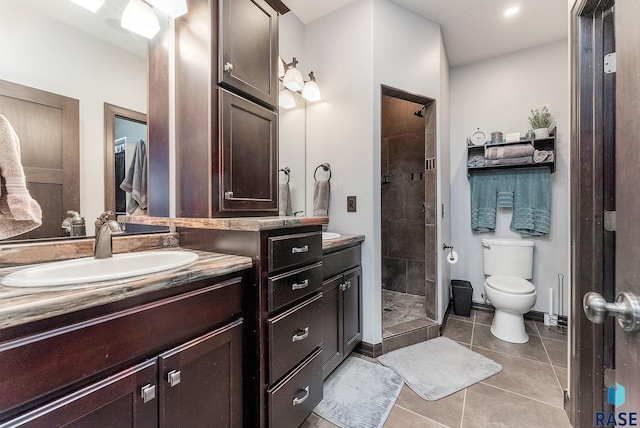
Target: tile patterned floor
<point>399,308</point>
<point>527,393</point>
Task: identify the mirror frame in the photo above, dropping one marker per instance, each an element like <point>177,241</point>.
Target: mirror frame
<point>110,113</point>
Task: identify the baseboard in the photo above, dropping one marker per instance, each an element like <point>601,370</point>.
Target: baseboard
<point>371,350</point>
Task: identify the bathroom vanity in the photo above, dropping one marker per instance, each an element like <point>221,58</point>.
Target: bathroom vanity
<point>150,351</point>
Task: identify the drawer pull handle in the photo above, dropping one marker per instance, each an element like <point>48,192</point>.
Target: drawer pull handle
<point>302,336</point>
<point>301,400</point>
<point>304,249</point>
<point>173,378</point>
<point>148,393</point>
<point>300,286</point>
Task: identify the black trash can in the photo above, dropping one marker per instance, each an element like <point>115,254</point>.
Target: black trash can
<point>462,293</point>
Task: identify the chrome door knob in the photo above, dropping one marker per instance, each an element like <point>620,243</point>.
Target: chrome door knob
<point>626,308</point>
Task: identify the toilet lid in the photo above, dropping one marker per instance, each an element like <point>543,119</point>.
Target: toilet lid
<point>510,284</point>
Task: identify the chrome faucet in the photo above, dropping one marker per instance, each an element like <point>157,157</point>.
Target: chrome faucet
<point>106,226</point>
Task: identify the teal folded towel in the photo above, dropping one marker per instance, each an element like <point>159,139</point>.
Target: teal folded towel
<point>532,202</point>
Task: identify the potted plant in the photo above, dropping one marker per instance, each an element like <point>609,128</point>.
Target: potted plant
<point>540,121</point>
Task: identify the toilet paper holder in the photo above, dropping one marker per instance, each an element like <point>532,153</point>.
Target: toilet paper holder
<point>452,255</point>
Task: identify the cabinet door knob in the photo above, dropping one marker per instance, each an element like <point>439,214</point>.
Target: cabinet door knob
<point>302,399</point>
<point>173,378</point>
<point>228,67</point>
<point>302,336</point>
<point>148,393</point>
<point>301,285</point>
<point>304,249</point>
<point>228,195</point>
<point>343,286</point>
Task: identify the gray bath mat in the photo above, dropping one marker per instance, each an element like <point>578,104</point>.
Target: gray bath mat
<point>359,394</point>
<point>439,367</point>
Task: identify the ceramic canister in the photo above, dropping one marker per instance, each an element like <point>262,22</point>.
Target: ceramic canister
<point>496,137</point>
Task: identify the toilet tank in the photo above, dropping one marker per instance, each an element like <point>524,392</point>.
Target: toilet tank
<point>513,257</point>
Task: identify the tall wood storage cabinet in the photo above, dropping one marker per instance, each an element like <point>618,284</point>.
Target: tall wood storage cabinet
<point>226,126</point>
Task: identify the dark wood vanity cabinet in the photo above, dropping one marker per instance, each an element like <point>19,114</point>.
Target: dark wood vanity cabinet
<point>341,305</point>
<point>226,127</point>
<point>288,317</point>
<point>111,370</point>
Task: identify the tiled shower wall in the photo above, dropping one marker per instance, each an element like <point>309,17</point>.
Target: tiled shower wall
<point>408,233</point>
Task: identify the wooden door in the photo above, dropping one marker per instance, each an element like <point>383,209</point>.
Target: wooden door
<point>48,127</point>
<point>201,381</point>
<point>627,253</point>
<point>248,158</point>
<point>126,399</point>
<point>352,318</point>
<point>248,60</point>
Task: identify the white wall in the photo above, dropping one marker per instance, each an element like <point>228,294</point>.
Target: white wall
<point>354,50</point>
<point>42,53</point>
<point>496,95</point>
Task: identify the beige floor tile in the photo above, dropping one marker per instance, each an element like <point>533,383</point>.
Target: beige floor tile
<point>315,421</point>
<point>403,418</point>
<point>458,330</point>
<point>533,349</point>
<point>529,378</point>
<point>447,410</point>
<point>547,332</point>
<point>557,352</point>
<point>484,317</point>
<point>487,406</point>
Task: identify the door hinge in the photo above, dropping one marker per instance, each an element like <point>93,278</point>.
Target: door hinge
<point>610,63</point>
<point>430,164</point>
<point>610,221</point>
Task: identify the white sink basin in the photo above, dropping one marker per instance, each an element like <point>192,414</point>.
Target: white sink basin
<point>330,235</point>
<point>89,269</point>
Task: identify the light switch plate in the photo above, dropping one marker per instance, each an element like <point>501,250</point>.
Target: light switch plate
<point>351,204</point>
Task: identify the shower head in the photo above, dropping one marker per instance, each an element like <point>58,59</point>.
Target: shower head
<point>419,112</point>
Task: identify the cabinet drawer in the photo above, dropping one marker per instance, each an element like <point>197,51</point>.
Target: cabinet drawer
<point>293,399</point>
<point>293,285</point>
<point>294,250</point>
<point>339,261</point>
<point>293,335</point>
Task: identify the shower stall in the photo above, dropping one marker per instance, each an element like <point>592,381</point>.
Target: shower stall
<point>408,212</point>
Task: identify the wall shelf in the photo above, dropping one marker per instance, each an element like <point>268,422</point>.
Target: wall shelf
<point>477,152</point>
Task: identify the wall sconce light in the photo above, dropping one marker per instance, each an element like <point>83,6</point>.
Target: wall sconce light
<point>293,81</point>
<point>293,78</point>
<point>90,5</point>
<point>139,18</point>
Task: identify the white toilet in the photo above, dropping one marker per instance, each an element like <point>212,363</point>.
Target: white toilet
<point>508,264</point>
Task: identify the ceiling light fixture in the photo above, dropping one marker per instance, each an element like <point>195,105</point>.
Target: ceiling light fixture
<point>90,5</point>
<point>511,11</point>
<point>173,8</point>
<point>139,18</point>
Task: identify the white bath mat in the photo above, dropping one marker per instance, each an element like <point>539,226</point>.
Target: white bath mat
<point>439,367</point>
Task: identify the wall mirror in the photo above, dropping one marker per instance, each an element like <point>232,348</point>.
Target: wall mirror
<point>61,48</point>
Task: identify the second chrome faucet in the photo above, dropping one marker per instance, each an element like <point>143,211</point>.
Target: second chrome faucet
<point>106,226</point>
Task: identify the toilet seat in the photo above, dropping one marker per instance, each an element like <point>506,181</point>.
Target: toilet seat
<point>510,284</point>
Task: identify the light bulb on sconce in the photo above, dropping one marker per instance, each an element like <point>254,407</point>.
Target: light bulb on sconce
<point>311,91</point>
<point>293,78</point>
<point>286,99</point>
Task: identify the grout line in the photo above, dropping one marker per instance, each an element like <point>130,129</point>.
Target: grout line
<point>523,396</point>
<point>418,414</point>
<point>513,355</point>
<point>464,403</point>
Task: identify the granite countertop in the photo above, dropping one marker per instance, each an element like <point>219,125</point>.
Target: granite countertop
<point>252,224</point>
<point>343,241</point>
<point>23,305</point>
